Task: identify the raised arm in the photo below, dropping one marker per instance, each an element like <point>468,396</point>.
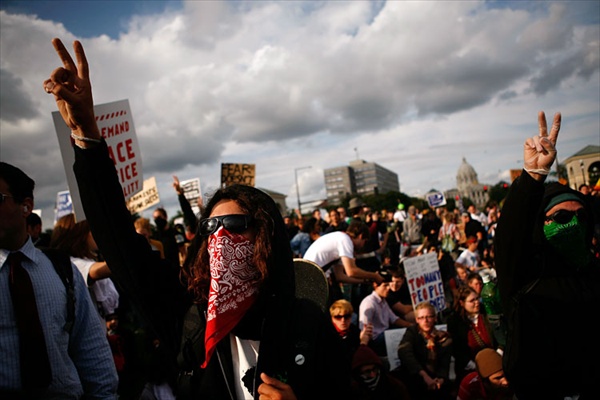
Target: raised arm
<point>515,230</point>
<point>154,289</point>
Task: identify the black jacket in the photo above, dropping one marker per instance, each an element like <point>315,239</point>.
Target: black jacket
<point>298,343</point>
<point>550,307</point>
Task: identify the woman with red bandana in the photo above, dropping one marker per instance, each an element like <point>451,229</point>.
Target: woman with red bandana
<point>234,327</point>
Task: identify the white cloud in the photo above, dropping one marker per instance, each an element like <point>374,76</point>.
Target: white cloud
<point>414,86</point>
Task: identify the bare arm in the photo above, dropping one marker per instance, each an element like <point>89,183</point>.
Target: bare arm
<point>99,270</point>
<point>353,271</point>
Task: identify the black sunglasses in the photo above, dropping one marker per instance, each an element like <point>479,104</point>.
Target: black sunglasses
<point>565,216</point>
<point>235,223</point>
<point>4,196</point>
<point>345,316</point>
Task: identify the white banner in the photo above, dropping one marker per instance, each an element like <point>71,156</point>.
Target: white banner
<point>115,122</point>
<point>424,280</point>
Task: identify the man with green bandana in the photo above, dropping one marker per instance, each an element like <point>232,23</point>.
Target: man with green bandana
<point>549,280</point>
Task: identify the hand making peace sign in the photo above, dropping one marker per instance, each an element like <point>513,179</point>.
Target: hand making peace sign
<point>540,151</point>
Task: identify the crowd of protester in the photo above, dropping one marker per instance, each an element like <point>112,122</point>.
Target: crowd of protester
<point>208,308</point>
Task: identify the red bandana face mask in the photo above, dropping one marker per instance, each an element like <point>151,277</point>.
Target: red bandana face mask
<point>233,285</point>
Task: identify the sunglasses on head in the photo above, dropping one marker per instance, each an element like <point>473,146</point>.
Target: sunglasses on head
<point>565,216</point>
<point>234,223</point>
<point>345,316</point>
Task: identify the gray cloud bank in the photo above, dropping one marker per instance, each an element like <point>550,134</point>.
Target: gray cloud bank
<point>412,85</point>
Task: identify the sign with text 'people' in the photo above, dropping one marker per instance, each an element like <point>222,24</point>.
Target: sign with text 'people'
<point>424,280</point>
<point>115,122</point>
<point>237,173</point>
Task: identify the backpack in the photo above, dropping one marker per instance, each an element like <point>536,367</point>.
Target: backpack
<point>448,243</point>
<point>62,265</point>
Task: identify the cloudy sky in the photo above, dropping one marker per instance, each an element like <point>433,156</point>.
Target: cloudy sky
<point>412,85</point>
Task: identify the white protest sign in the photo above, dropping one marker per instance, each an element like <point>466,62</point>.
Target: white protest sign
<point>192,192</point>
<point>115,122</point>
<point>145,198</point>
<point>435,199</point>
<point>64,205</point>
<point>393,337</point>
<point>424,280</point>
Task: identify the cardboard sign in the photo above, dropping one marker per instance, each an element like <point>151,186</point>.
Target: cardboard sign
<point>237,173</point>
<point>115,122</point>
<point>424,280</point>
<point>64,205</point>
<point>436,199</point>
<point>192,192</point>
<point>145,198</point>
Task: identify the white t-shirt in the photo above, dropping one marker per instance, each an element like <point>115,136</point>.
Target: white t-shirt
<point>244,354</point>
<point>104,289</point>
<point>469,258</point>
<point>330,247</point>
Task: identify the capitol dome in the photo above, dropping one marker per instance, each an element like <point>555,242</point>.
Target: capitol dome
<point>466,176</point>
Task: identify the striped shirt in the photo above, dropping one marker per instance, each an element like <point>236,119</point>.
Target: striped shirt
<point>88,368</point>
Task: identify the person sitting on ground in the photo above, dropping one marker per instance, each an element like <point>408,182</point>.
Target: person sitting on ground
<point>425,354</point>
<point>470,330</point>
<point>342,314</point>
<point>470,257</point>
<point>399,295</point>
<point>375,310</point>
<point>488,382</point>
<point>475,282</point>
<point>457,281</point>
<point>371,380</point>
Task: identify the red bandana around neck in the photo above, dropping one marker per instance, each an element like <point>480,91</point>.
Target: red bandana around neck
<point>233,285</point>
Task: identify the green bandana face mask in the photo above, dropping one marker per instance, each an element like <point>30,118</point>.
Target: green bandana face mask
<point>569,240</point>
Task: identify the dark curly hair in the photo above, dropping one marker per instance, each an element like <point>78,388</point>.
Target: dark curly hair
<point>269,245</point>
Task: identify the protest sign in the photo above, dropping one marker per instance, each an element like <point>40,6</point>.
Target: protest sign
<point>145,198</point>
<point>424,280</point>
<point>115,122</point>
<point>64,205</point>
<point>237,173</point>
<point>435,199</point>
<point>192,192</point>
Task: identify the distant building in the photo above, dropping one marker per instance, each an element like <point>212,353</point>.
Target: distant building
<point>279,199</point>
<point>360,178</point>
<point>584,167</point>
<point>467,185</point>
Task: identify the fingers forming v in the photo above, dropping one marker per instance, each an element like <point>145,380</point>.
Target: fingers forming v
<point>542,124</point>
<point>64,55</point>
<point>82,63</point>
<point>555,128</point>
